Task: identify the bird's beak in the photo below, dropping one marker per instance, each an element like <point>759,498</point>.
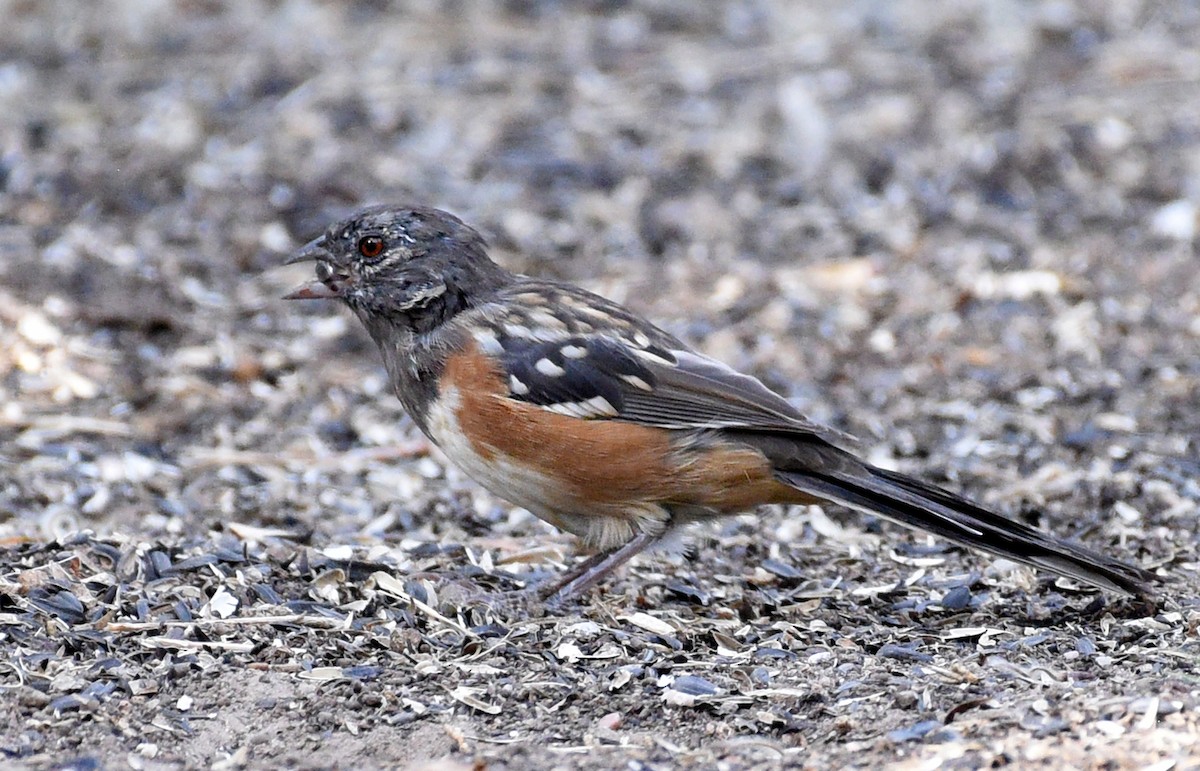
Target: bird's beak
<point>313,251</point>
<point>312,290</point>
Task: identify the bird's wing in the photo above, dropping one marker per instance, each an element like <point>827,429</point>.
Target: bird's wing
<point>643,378</point>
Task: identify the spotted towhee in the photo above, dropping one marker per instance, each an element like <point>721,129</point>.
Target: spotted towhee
<point>601,423</point>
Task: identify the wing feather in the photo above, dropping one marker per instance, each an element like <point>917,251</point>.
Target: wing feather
<point>699,392</point>
<point>604,376</point>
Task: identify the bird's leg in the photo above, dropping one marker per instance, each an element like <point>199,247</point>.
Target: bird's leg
<point>591,571</point>
<point>552,594</point>
<point>552,585</point>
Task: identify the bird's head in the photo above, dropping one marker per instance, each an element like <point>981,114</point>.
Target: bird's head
<point>409,265</point>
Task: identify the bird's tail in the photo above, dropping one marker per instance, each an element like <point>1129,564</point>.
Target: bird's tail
<point>922,506</point>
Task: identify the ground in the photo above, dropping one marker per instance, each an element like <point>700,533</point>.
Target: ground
<point>965,232</point>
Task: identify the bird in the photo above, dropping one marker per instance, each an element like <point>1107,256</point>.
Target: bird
<point>604,425</point>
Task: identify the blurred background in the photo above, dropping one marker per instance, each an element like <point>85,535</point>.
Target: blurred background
<point>964,231</point>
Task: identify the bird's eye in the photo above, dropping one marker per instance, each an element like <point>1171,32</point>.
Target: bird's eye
<point>370,246</point>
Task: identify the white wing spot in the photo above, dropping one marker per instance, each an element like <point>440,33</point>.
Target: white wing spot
<point>594,312</point>
<point>488,342</point>
<point>518,330</point>
<point>547,320</point>
<point>600,406</point>
<point>574,351</point>
<point>516,386</point>
<point>596,407</point>
<point>549,368</point>
<point>565,408</point>
<point>641,340</point>
<point>636,382</point>
<point>648,356</point>
<point>542,334</point>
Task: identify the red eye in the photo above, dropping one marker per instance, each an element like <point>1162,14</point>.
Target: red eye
<point>370,246</point>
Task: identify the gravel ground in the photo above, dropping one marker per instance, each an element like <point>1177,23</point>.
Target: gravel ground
<point>965,232</point>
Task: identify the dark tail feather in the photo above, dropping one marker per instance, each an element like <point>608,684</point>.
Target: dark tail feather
<point>918,505</point>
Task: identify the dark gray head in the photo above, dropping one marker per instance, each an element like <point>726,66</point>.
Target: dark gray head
<point>408,265</point>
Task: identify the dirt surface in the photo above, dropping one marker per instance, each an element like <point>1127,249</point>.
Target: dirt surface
<point>964,232</point>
